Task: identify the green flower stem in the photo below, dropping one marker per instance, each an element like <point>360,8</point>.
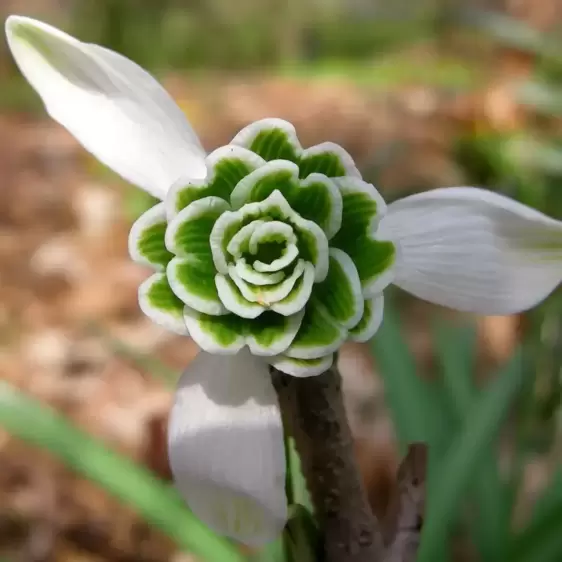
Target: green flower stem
<point>313,409</point>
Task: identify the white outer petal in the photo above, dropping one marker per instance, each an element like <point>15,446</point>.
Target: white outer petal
<point>225,442</point>
<point>474,250</point>
<point>113,107</point>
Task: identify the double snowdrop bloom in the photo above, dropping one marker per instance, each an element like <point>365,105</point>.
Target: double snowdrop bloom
<point>268,253</point>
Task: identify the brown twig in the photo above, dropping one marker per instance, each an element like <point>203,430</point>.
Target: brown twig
<point>404,520</point>
<point>315,416</point>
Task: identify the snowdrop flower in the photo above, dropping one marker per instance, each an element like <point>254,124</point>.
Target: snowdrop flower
<point>265,252</point>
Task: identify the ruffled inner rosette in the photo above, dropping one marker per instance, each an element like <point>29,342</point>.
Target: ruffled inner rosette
<point>275,250</point>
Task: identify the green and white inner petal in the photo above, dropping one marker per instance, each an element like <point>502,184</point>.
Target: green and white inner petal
<point>266,295</point>
<point>299,295</point>
<point>223,335</point>
<point>312,243</point>
<point>272,233</point>
<point>240,243</point>
<point>272,139</point>
<point>188,234</point>
<point>329,159</point>
<point>234,301</point>
<point>247,273</point>
<point>272,333</point>
<point>272,247</point>
<point>268,335</point>
<point>362,209</point>
<point>302,367</point>
<point>146,239</point>
<point>341,292</point>
<point>370,322</point>
<point>226,166</point>
<point>319,334</point>
<point>193,281</point>
<point>288,255</point>
<point>280,175</point>
<point>318,199</point>
<point>161,305</point>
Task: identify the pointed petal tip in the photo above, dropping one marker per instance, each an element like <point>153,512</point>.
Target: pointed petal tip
<point>113,107</point>
<point>19,27</point>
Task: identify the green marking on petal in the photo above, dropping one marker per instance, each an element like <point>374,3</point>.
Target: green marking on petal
<point>216,334</point>
<point>370,321</point>
<point>363,207</point>
<point>300,293</point>
<point>189,232</point>
<point>302,367</point>
<point>161,305</point>
<point>341,292</point>
<point>234,301</point>
<point>271,333</point>
<point>226,166</point>
<point>272,139</point>
<point>329,159</point>
<point>146,239</point>
<point>246,272</point>
<point>193,281</point>
<point>279,175</point>
<point>318,199</point>
<point>374,260</point>
<point>319,334</point>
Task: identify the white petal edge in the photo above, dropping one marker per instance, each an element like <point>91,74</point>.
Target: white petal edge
<point>266,229</point>
<point>295,368</point>
<point>377,314</point>
<point>474,250</point>
<point>204,341</point>
<point>344,156</point>
<point>352,277</point>
<point>155,215</point>
<point>294,302</point>
<point>248,134</point>
<point>172,322</point>
<point>113,107</point>
<point>334,224</point>
<point>211,307</point>
<point>245,187</point>
<point>296,351</point>
<point>232,298</point>
<point>349,185</point>
<point>225,443</point>
<point>268,294</point>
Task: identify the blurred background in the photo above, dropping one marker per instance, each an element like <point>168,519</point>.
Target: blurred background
<point>422,94</point>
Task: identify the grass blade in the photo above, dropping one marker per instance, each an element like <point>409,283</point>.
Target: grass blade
<point>415,407</point>
<point>456,471</point>
<point>455,349</point>
<point>153,499</point>
<point>541,541</point>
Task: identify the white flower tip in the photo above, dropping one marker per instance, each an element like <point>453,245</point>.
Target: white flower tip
<point>14,22</point>
<point>225,444</point>
<point>30,31</point>
<point>113,107</point>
